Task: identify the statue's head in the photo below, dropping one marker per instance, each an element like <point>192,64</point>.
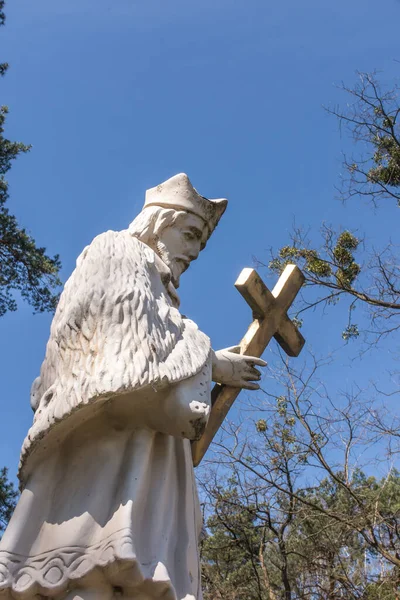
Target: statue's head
<point>176,222</point>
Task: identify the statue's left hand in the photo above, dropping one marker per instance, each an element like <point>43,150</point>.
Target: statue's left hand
<point>237,370</point>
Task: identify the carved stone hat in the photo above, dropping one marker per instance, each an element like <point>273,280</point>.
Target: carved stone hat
<point>178,193</point>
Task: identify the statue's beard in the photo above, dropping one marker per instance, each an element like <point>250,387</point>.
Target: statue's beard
<point>177,265</point>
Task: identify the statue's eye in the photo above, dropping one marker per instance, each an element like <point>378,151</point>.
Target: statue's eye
<point>189,235</point>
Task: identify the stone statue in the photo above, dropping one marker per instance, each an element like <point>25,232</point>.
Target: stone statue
<point>109,506</point>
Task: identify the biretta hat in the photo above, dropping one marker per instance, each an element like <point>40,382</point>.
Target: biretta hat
<point>178,193</point>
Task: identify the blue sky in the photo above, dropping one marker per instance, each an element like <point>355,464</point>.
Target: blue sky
<point>117,96</point>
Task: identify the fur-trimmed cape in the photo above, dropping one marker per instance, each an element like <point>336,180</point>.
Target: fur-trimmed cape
<point>115,330</point>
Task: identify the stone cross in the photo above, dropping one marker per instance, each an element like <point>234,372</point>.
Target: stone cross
<point>270,320</point>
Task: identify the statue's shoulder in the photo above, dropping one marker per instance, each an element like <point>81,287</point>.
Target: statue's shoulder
<point>115,245</point>
<point>112,237</point>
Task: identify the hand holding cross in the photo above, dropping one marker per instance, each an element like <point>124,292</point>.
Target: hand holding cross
<point>270,320</point>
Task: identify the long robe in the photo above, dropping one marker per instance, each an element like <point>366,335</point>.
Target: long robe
<point>108,489</point>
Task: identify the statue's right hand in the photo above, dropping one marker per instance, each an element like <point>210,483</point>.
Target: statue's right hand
<point>237,370</point>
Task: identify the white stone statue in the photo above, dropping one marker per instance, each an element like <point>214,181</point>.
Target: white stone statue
<point>109,506</point>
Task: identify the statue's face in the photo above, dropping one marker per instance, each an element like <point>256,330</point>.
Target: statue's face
<point>181,243</point>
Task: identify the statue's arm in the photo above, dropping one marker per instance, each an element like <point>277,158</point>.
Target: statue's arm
<point>237,370</point>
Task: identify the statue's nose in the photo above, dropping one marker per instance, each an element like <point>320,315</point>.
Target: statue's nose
<point>192,255</point>
<point>193,251</point>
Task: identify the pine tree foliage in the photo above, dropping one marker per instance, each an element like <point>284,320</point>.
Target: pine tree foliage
<point>8,496</point>
<point>25,268</point>
<point>230,552</point>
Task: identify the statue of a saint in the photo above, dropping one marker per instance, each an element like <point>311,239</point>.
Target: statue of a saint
<point>109,506</point>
